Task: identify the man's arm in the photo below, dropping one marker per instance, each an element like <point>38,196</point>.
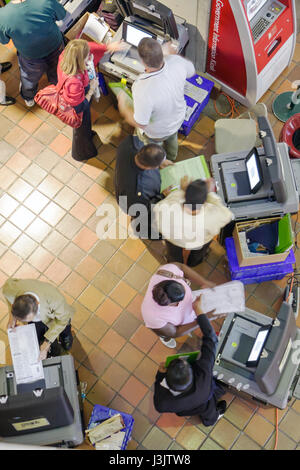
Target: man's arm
<point>4,39</point>
<point>62,313</point>
<point>59,10</point>
<point>172,331</point>
<point>127,112</point>
<point>209,340</point>
<point>170,49</point>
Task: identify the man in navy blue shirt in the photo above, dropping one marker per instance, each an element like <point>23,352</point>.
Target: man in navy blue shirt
<point>190,389</point>
<point>137,180</point>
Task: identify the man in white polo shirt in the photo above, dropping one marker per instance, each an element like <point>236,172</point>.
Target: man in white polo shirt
<point>158,96</point>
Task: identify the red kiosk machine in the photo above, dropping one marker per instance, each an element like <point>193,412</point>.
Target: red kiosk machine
<point>250,43</point>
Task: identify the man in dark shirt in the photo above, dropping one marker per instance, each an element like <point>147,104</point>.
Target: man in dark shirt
<point>31,24</point>
<point>190,389</point>
<point>137,181</point>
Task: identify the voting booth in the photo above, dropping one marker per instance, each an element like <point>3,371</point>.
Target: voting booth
<point>142,18</point>
<point>42,414</point>
<point>74,8</point>
<point>259,182</point>
<point>257,357</point>
<point>250,43</point>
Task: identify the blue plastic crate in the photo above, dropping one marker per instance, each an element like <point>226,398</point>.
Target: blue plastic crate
<point>257,273</point>
<point>205,85</point>
<point>101,413</point>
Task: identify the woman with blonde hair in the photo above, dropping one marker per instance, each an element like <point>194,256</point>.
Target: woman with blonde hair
<point>78,89</point>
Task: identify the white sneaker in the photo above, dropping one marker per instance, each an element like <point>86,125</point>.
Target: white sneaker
<point>170,344</point>
<point>29,103</point>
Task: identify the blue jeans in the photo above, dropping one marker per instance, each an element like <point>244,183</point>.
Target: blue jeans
<point>31,71</point>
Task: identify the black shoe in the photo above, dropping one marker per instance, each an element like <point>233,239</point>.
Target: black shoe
<point>8,101</point>
<point>5,66</point>
<point>67,342</point>
<point>55,349</point>
<point>221,408</point>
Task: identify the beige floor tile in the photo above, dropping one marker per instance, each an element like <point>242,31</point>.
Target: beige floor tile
<point>105,280</point>
<point>224,433</point>
<point>190,437</point>
<point>115,376</point>
<point>97,360</point>
<point>94,328</point>
<point>119,264</point>
<point>283,442</point>
<point>9,233</point>
<point>129,357</point>
<point>22,217</point>
<point>36,202</point>
<point>72,255</point>
<point>108,311</point>
<point>290,425</point>
<point>88,268</point>
<point>57,272</point>
<point>259,429</point>
<point>156,440</point>
<point>123,293</point>
<point>74,285</point>
<point>101,394</point>
<point>91,298</point>
<point>41,259</point>
<point>238,413</point>
<point>245,443</point>
<point>111,343</point>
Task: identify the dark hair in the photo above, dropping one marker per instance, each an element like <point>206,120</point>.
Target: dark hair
<point>196,193</point>
<point>167,292</point>
<point>151,155</point>
<point>151,53</point>
<point>179,376</point>
<point>24,305</point>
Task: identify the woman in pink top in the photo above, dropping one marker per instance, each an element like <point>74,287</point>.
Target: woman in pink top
<point>78,90</point>
<point>167,307</point>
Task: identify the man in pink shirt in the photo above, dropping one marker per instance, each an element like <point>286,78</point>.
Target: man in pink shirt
<point>167,307</point>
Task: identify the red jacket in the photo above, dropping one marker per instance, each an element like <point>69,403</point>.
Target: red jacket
<point>73,89</point>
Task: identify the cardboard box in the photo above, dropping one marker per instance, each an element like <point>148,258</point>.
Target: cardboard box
<point>75,31</point>
<point>260,259</point>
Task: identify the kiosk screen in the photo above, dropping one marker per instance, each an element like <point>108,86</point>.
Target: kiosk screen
<point>254,171</point>
<point>257,347</point>
<point>253,7</point>
<point>133,35</point>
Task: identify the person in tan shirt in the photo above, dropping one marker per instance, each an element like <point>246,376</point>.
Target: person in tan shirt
<point>30,300</point>
<point>189,218</point>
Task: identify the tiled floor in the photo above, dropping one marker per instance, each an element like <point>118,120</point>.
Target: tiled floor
<point>48,220</point>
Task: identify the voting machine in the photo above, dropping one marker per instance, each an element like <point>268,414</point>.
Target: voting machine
<point>142,18</point>
<point>74,8</point>
<point>259,182</point>
<point>257,356</point>
<point>49,415</point>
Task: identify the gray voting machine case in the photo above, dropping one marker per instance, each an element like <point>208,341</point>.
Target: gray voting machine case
<point>264,202</point>
<point>36,424</point>
<point>273,381</point>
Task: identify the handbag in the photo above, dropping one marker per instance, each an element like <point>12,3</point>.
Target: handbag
<point>51,100</point>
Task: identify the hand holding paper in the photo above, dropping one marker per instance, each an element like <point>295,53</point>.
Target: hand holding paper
<point>225,298</point>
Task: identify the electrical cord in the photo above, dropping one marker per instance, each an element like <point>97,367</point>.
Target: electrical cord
<point>276,433</point>
<point>232,105</point>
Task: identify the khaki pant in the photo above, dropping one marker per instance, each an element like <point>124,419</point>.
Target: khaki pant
<point>169,143</point>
